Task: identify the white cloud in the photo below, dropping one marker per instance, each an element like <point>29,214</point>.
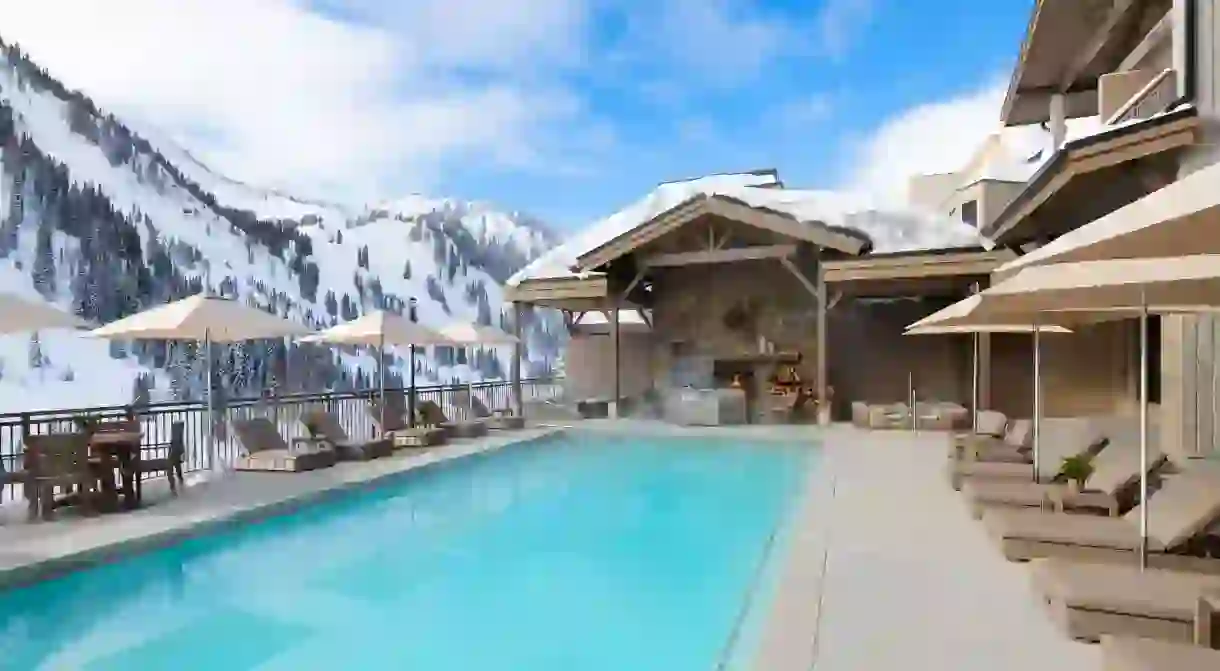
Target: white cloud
<point>940,137</point>
<point>721,41</point>
<point>840,22</point>
<point>930,138</point>
<point>273,92</point>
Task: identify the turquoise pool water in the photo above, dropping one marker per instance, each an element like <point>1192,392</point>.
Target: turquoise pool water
<point>581,551</point>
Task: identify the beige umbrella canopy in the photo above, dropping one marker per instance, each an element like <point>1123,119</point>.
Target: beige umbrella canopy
<point>20,315</point>
<point>970,315</point>
<point>1106,287</point>
<point>1181,218</point>
<point>206,319</point>
<point>476,334</point>
<point>967,329</point>
<point>466,333</point>
<point>203,318</point>
<point>378,329</point>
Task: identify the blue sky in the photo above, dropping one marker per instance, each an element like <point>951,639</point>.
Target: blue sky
<point>564,108</point>
<point>800,105</point>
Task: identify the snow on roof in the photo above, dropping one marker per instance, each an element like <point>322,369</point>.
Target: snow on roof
<point>890,229</point>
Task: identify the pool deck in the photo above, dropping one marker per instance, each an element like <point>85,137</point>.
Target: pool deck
<point>887,570</point>
<point>31,551</point>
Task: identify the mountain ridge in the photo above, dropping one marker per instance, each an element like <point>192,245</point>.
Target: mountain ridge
<point>98,219</point>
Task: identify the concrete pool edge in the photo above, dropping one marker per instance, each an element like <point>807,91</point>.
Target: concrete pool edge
<point>788,639</point>
<point>151,529</point>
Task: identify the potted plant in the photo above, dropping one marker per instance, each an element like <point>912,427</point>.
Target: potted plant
<point>1076,469</point>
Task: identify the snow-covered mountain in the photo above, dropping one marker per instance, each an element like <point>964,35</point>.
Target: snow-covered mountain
<point>105,221</point>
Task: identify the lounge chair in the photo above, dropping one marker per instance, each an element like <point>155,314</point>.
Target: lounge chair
<point>324,426</point>
<point>397,428</point>
<point>940,415</point>
<point>1115,469</point>
<point>500,419</point>
<point>266,450</point>
<point>1119,653</point>
<point>991,424</point>
<point>431,415</point>
<point>884,415</point>
<point>1012,446</point>
<point>1062,437</point>
<point>1089,600</point>
<point>1184,506</point>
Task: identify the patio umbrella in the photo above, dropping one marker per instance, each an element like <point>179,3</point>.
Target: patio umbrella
<point>975,330</point>
<point>1180,219</point>
<point>1103,285</point>
<point>378,329</point>
<point>466,334</point>
<point>205,319</point>
<point>1037,329</point>
<point>20,315</point>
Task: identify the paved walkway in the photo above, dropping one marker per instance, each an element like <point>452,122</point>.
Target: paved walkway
<point>887,570</point>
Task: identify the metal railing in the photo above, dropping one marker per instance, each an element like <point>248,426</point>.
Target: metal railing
<point>349,408</point>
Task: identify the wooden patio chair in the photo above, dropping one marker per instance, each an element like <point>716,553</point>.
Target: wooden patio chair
<point>60,460</point>
<point>171,464</point>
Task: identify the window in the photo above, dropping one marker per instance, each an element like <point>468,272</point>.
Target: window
<point>970,213</point>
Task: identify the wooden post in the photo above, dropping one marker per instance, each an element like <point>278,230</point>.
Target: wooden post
<point>518,350</point>
<point>615,336</point>
<point>823,397</point>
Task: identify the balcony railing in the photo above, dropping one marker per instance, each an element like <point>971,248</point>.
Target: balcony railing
<point>349,408</point>
<point>1155,97</point>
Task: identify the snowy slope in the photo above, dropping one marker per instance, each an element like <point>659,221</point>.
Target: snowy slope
<point>103,222</point>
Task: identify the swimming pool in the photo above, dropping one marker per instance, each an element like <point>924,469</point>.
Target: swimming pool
<point>582,551</point>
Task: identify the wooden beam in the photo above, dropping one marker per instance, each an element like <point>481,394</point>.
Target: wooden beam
<point>800,277</point>
<point>617,343</point>
<point>824,410</point>
<point>644,316</point>
<point>639,275</point>
<point>809,286</point>
<point>720,256</point>
<point>518,353</point>
<point>1096,43</point>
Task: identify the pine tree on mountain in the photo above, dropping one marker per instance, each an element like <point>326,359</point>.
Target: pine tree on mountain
<point>406,269</point>
<point>43,272</point>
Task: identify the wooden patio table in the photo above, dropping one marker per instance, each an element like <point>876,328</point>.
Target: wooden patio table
<point>119,450</point>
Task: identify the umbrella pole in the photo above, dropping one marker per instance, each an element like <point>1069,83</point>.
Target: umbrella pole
<point>411,398</point>
<point>381,375</point>
<point>1143,503</point>
<point>1037,399</point>
<point>213,458</point>
<point>974,384</point>
<point>469,390</point>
